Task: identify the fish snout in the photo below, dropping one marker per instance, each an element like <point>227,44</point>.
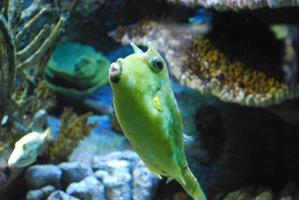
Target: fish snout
<point>12,161</point>
<point>20,159</point>
<point>115,72</point>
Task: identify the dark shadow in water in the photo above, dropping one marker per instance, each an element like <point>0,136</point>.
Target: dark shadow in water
<point>246,38</point>
<point>252,147</point>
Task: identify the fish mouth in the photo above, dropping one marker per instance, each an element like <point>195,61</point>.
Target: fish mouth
<point>115,72</point>
<point>12,162</point>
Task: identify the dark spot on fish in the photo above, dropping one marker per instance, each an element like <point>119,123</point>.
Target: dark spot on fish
<point>114,79</point>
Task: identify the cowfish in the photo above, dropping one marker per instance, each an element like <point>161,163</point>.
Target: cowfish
<point>149,116</point>
<point>28,148</point>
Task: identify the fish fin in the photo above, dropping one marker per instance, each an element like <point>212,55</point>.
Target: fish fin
<point>182,180</point>
<point>48,134</point>
<point>168,180</point>
<point>187,139</point>
<point>157,175</point>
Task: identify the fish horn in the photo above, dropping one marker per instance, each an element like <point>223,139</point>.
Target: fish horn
<point>136,48</point>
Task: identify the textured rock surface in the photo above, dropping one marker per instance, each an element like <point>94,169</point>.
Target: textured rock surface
<point>142,183</point>
<point>38,176</point>
<point>40,194</point>
<point>127,176</point>
<point>74,172</point>
<point>60,195</point>
<point>87,189</point>
<point>115,161</point>
<point>118,175</point>
<point>289,192</point>
<point>119,185</point>
<point>239,4</point>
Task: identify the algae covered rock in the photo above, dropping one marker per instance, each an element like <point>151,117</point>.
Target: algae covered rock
<point>76,70</point>
<point>238,4</point>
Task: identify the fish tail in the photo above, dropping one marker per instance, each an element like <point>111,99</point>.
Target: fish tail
<point>191,185</point>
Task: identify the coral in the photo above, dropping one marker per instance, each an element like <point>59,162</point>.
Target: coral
<point>197,63</point>
<point>7,58</point>
<point>24,45</point>
<point>45,98</point>
<point>32,44</point>
<point>27,36</point>
<point>73,129</point>
<point>41,97</point>
<point>76,70</point>
<point>230,80</point>
<point>238,4</point>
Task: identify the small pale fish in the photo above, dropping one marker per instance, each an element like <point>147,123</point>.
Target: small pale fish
<point>149,116</point>
<point>28,148</point>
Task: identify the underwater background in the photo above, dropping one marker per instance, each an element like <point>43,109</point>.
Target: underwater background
<point>233,66</point>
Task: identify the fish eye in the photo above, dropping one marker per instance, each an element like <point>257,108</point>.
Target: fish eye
<point>24,147</point>
<point>157,64</point>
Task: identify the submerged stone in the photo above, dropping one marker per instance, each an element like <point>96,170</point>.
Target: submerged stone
<point>60,195</point>
<point>40,193</point>
<point>238,4</point>
<point>74,172</point>
<point>38,176</point>
<point>87,189</point>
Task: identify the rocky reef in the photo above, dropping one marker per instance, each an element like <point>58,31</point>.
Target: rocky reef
<point>28,35</point>
<point>114,176</point>
<point>22,49</point>
<point>238,4</point>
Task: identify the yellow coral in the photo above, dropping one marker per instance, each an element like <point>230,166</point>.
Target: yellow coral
<point>44,97</point>
<point>73,128</point>
<point>235,81</point>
